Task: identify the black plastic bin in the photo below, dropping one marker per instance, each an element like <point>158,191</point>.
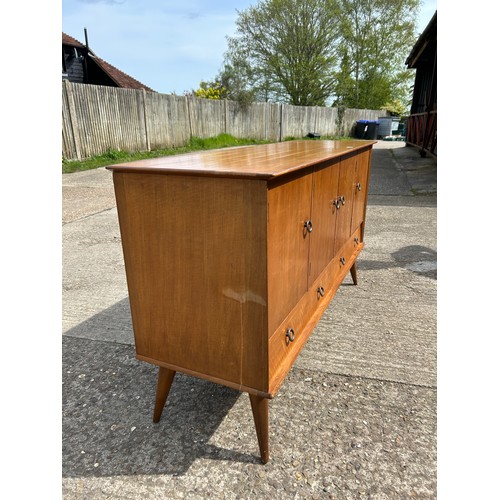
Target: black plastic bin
<point>366,129</point>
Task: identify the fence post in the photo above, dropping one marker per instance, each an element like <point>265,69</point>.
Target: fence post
<point>281,122</point>
<point>225,117</point>
<point>188,107</point>
<point>146,131</point>
<point>266,119</point>
<point>72,118</point>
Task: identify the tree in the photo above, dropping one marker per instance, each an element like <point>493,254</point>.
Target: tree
<point>314,52</point>
<point>211,90</point>
<point>395,108</point>
<point>289,49</point>
<point>237,77</point>
<point>376,37</point>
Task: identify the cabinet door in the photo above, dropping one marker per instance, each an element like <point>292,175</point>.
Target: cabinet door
<point>345,195</point>
<point>324,214</point>
<point>360,189</point>
<point>289,208</point>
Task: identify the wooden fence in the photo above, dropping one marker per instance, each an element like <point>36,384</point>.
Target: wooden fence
<point>96,119</point>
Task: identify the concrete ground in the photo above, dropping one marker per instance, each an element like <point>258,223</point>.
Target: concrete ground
<point>355,418</point>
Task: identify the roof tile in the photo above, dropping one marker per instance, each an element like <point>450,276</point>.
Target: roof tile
<point>122,79</point>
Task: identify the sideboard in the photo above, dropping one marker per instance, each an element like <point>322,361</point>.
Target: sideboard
<point>232,256</point>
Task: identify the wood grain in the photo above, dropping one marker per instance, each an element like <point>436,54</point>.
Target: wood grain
<point>264,161</point>
<point>195,258</point>
<point>324,218</point>
<point>360,190</point>
<point>289,207</point>
<point>165,379</point>
<point>346,193</point>
<point>260,410</point>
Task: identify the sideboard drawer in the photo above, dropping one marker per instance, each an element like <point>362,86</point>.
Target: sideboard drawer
<point>344,256</point>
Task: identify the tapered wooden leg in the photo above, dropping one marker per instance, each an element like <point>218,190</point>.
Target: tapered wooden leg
<point>354,274</point>
<point>260,410</point>
<point>165,379</point>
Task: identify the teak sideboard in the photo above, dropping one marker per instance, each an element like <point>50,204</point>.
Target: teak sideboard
<point>233,255</point>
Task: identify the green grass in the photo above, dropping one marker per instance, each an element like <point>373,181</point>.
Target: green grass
<point>195,144</point>
<point>322,138</point>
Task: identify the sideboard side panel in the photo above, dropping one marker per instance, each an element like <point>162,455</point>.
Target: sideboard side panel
<point>195,257</point>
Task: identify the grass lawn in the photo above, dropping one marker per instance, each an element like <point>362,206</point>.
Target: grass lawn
<point>195,144</point>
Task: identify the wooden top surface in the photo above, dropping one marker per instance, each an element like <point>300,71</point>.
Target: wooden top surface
<point>260,161</point>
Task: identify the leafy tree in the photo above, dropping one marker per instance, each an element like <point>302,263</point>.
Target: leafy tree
<point>395,108</point>
<point>376,37</point>
<point>312,52</point>
<point>289,49</point>
<point>238,77</point>
<point>211,90</point>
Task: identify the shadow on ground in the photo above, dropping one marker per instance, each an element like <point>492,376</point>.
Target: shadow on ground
<point>416,258</point>
<point>113,324</point>
<point>108,399</point>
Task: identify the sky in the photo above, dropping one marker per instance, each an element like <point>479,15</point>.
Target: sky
<point>169,46</point>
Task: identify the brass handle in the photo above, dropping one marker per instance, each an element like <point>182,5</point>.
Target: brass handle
<point>358,186</point>
<point>335,203</point>
<point>290,334</point>
<point>321,291</point>
<point>308,225</point>
<point>342,261</point>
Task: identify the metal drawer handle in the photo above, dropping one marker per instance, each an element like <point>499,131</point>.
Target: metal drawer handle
<point>356,240</point>
<point>335,203</point>
<point>308,225</point>
<point>290,334</point>
<point>321,291</point>
<point>358,186</point>
<point>342,199</point>
<point>342,261</point>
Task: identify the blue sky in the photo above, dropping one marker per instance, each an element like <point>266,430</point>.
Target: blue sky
<point>168,45</point>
